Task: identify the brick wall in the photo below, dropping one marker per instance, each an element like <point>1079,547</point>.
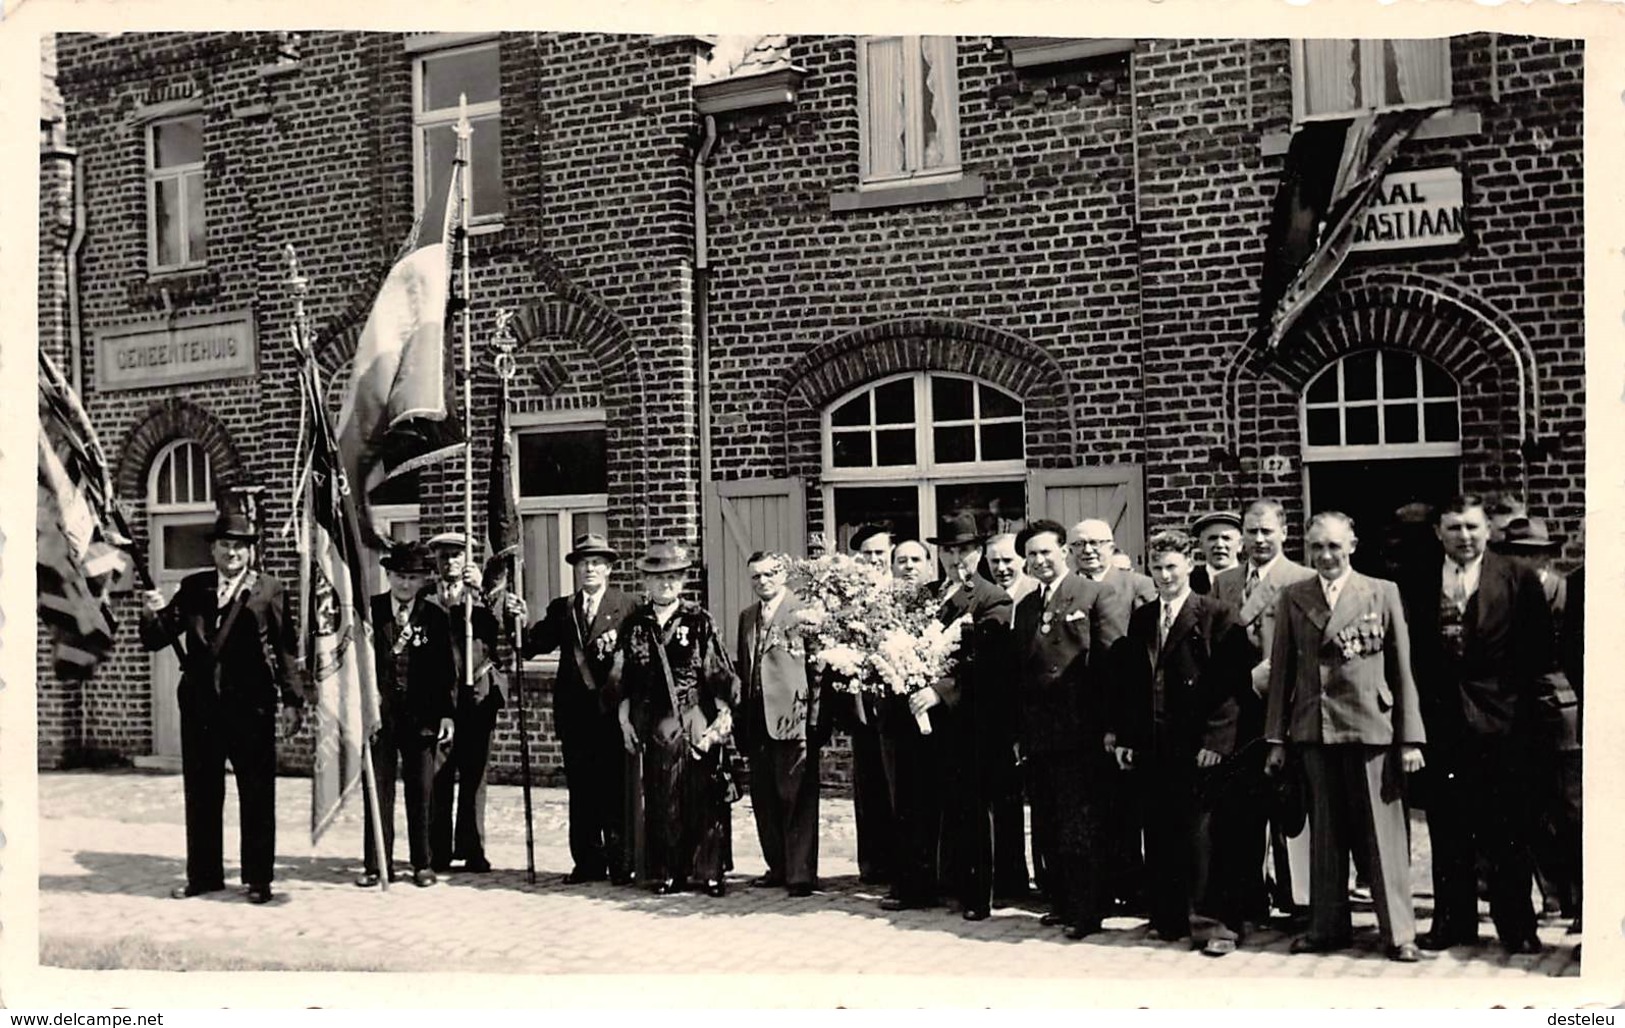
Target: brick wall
<point>1107,275</point>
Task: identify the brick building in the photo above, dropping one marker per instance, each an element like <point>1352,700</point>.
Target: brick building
<point>800,283</point>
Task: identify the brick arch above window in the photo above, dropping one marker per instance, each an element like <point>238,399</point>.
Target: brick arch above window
<point>164,423</point>
<point>835,367</point>
<point>1452,326</point>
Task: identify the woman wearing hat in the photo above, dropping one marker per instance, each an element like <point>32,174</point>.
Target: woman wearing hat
<point>677,686</point>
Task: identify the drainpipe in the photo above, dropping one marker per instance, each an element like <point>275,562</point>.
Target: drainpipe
<point>702,340</point>
<point>75,242</point>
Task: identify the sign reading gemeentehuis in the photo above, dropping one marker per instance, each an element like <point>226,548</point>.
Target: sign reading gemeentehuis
<point>200,348</point>
<point>1413,209</point>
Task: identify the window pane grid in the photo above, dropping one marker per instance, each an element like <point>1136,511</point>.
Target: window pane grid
<point>1342,77</point>
<point>175,196</point>
<point>1425,413</point>
<point>438,81</point>
<point>910,107</point>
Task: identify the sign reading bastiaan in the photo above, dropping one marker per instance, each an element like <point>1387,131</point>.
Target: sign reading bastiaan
<point>1413,209</point>
<point>201,348</point>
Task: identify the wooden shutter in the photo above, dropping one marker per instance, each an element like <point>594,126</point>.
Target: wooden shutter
<point>767,514</point>
<point>1114,494</point>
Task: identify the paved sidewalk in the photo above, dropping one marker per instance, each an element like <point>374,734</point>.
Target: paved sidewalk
<point>112,846</point>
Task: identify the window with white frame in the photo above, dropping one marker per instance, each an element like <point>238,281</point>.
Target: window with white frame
<point>440,79</point>
<point>563,471</point>
<point>177,228</point>
<point>1381,404</point>
<point>180,509</point>
<point>911,449</point>
<point>1343,78</point>
<point>908,105</point>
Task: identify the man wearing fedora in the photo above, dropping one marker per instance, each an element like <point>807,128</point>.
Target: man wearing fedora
<point>583,627</point>
<point>417,701</point>
<point>460,782</point>
<point>1218,537</point>
<point>1483,640</point>
<point>239,667</point>
<point>973,705</point>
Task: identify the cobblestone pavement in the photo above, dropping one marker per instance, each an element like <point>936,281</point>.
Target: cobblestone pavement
<point>112,846</point>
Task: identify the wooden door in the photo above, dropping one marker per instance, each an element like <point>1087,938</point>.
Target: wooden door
<point>767,514</point>
<point>1114,494</point>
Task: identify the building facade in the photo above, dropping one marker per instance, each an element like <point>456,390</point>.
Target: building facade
<point>797,284</point>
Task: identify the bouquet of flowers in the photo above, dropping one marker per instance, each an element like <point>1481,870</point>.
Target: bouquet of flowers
<point>874,637</point>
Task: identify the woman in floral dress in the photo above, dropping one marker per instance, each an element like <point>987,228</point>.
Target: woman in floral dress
<point>678,688</point>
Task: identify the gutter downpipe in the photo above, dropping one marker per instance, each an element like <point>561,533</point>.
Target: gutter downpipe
<point>76,240</point>
<point>702,340</point>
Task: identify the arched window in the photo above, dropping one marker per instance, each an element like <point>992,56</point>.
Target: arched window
<point>906,450</point>
<point>1381,429</point>
<point>180,508</point>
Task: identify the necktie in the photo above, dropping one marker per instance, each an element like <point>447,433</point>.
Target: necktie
<point>1251,583</point>
<point>1458,586</point>
<point>1167,623</point>
<point>583,617</point>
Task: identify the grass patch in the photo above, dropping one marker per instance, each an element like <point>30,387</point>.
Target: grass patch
<point>133,953</point>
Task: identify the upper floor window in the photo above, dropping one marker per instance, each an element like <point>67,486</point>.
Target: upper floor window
<point>1344,78</point>
<point>1381,404</point>
<point>440,79</point>
<point>177,231</point>
<point>908,94</point>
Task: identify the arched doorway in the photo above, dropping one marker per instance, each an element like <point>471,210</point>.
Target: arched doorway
<point>180,512</point>
<point>1380,429</point>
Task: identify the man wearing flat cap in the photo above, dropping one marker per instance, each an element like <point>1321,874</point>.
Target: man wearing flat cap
<point>238,669</point>
<point>417,701</point>
<point>460,783</point>
<point>1218,537</point>
<point>583,628</point>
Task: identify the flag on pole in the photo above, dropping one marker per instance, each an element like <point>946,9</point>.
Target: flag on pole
<point>339,656</point>
<point>80,552</point>
<point>396,416</point>
<point>502,533</point>
<point>1333,169</point>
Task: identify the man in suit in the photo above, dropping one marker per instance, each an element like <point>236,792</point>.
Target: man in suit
<point>1011,879</point>
<point>779,728</point>
<point>1484,639</point>
<point>460,782</point>
<point>238,669</point>
<point>1218,536</point>
<point>1123,591</point>
<point>1180,672</point>
<point>1252,591</point>
<point>583,627</point>
<point>1061,724</point>
<point>871,796</point>
<point>978,734</point>
<point>417,701</point>
<point>1342,695</point>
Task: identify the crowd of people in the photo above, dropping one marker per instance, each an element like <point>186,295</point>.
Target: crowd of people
<point>1206,746</point>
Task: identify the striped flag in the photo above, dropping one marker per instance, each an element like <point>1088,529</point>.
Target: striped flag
<point>396,416</point>
<point>339,658</point>
<point>80,550</point>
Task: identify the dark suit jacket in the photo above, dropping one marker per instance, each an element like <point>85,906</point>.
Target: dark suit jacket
<point>584,663</point>
<point>430,691</point>
<point>1199,673</point>
<point>1344,675</point>
<point>977,691</point>
<point>780,695</point>
<point>257,664</point>
<point>1060,709</point>
<point>1494,689</point>
<point>489,685</point>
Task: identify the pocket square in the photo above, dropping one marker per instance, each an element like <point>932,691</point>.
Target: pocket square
<point>1077,615</point>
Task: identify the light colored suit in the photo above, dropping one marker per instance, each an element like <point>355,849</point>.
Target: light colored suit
<point>1342,693</point>
<point>1257,616</point>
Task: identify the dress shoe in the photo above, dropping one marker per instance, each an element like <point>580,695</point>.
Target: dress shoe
<point>1518,947</point>
<point>800,891</point>
<point>1052,918</point>
<point>577,876</point>
<point>670,886</point>
<point>1404,953</point>
<point>1436,941</point>
<point>181,892</point>
<point>716,888</point>
<point>620,879</point>
<point>1218,947</point>
<point>1310,944</point>
<point>478,867</point>
<point>767,881</point>
<point>424,877</point>
<point>1079,931</point>
<point>258,894</point>
<point>973,914</point>
<point>369,880</point>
